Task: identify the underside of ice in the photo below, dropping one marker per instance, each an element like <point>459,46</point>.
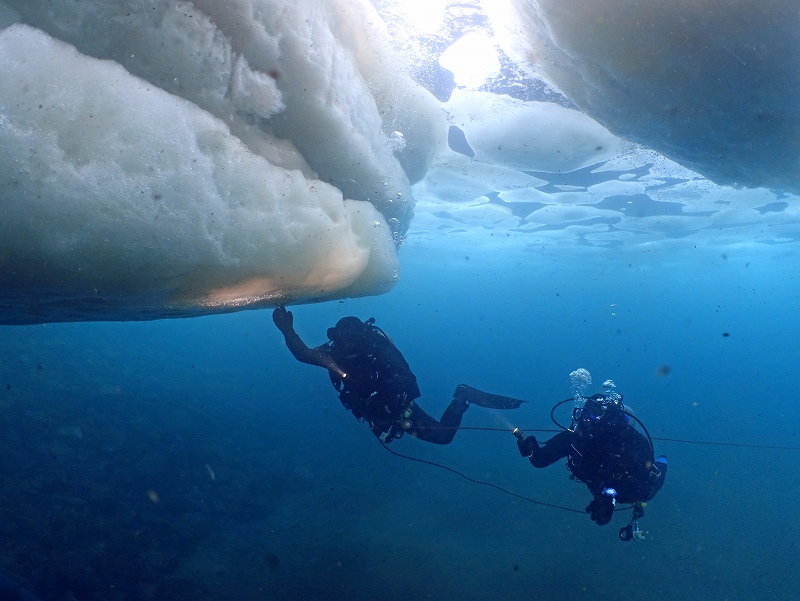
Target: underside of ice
<point>175,158</point>
<point>183,158</point>
<point>713,86</point>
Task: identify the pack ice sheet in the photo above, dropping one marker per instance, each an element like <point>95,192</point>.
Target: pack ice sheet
<point>174,158</point>
<point>625,126</point>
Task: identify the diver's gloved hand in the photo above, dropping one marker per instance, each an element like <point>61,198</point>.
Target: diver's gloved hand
<point>283,319</point>
<point>527,445</point>
<point>601,509</point>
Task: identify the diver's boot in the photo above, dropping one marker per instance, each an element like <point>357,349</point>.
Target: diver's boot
<point>468,394</point>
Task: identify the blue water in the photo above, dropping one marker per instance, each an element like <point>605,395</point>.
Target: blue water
<point>196,459</point>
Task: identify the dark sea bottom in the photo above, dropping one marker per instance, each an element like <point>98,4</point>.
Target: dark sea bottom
<point>195,459</point>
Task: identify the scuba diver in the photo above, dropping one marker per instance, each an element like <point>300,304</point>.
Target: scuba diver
<point>608,454</point>
<point>376,384</point>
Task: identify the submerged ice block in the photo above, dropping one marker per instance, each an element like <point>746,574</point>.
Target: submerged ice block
<point>711,85</point>
<point>120,201</point>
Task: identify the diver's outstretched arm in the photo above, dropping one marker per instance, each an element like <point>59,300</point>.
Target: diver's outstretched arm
<point>285,322</point>
<point>554,449</point>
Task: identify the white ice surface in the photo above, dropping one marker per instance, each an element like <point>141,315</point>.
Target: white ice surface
<point>252,130</point>
<point>534,136</point>
<point>592,188</point>
<point>114,189</point>
<point>712,85</point>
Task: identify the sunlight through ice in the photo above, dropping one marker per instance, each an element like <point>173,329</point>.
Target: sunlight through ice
<point>472,60</point>
<point>425,15</point>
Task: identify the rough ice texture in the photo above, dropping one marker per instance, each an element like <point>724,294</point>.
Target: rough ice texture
<point>120,200</point>
<point>711,84</point>
<point>205,168</point>
<point>318,75</point>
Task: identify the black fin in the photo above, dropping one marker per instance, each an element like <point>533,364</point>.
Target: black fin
<point>484,399</point>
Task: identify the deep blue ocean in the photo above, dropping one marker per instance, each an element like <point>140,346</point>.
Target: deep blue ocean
<point>196,459</point>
